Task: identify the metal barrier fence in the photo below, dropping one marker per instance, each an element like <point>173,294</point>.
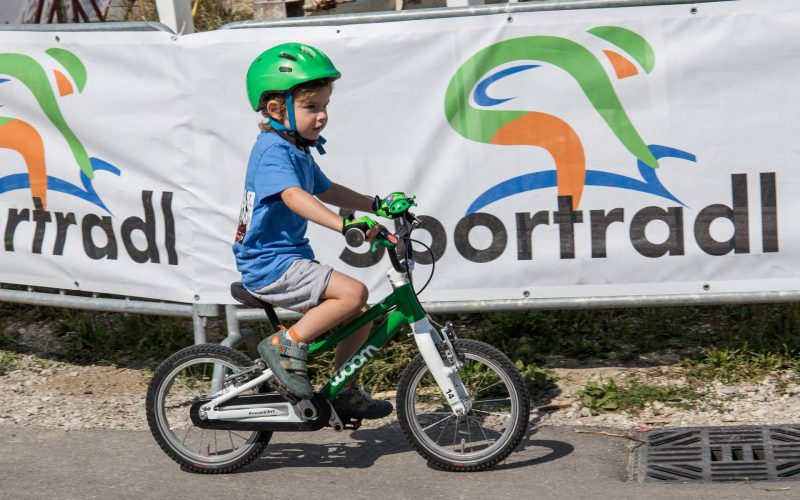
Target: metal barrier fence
<point>198,312</point>
<point>235,315</point>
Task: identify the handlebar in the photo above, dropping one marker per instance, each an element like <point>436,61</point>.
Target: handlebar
<point>355,237</point>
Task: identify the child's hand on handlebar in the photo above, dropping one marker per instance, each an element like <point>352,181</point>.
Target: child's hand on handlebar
<point>366,228</point>
<point>366,225</point>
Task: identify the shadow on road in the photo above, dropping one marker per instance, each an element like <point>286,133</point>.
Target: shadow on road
<point>362,448</point>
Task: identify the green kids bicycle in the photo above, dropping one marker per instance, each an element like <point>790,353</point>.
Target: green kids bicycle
<point>462,404</point>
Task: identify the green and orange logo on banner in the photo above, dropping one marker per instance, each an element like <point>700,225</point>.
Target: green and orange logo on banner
<point>472,82</point>
<point>18,135</point>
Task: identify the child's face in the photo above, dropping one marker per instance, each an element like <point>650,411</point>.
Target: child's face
<point>311,113</point>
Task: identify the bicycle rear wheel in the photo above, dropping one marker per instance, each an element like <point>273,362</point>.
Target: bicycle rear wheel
<point>488,433</point>
<point>182,379</point>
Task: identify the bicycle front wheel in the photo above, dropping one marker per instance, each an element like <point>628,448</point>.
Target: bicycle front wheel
<point>487,434</point>
<point>191,374</point>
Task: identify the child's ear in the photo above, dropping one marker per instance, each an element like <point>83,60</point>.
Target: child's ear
<point>273,109</point>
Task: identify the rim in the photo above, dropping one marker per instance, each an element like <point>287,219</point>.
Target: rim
<point>207,446</point>
<point>484,430</point>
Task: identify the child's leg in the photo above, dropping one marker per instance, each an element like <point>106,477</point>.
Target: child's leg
<point>343,299</point>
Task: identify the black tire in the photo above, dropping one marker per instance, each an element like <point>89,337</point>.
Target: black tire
<point>494,385</point>
<point>168,407</point>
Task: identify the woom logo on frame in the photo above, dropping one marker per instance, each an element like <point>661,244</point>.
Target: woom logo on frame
<point>43,84</point>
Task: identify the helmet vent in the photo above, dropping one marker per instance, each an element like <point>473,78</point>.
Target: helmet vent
<point>308,52</point>
<point>285,69</point>
<point>287,56</point>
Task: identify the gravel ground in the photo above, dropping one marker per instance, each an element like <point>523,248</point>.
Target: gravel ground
<point>49,394</point>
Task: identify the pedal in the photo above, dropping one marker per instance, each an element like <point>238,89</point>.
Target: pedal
<point>351,424</point>
<point>334,421</point>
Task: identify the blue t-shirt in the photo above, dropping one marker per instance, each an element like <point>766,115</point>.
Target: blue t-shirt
<point>270,236</point>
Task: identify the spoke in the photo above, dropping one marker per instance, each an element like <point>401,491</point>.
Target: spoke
<point>440,434</point>
<point>492,400</point>
<point>238,435</point>
<point>504,415</point>
<point>469,435</point>
<point>200,449</point>
<point>438,422</point>
<point>230,436</point>
<point>186,435</point>
<point>489,386</point>
<point>479,383</point>
<point>178,378</point>
<point>485,438</point>
<point>455,433</point>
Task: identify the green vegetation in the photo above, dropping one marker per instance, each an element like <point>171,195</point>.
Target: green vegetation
<point>736,365</point>
<point>723,342</point>
<point>8,362</point>
<point>633,395</point>
<point>209,14</point>
<point>726,343</point>
<point>121,338</point>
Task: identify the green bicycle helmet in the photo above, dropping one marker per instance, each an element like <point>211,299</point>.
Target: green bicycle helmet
<point>284,67</point>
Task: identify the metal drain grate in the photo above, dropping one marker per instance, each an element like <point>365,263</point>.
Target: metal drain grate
<point>715,454</point>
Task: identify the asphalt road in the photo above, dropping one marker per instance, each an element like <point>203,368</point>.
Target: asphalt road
<point>552,463</point>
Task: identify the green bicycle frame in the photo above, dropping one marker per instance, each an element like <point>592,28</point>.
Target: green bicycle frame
<point>400,307</point>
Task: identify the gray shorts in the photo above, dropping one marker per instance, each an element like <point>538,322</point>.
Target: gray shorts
<point>299,288</point>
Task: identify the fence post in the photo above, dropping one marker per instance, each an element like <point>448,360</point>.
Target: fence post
<point>200,315</point>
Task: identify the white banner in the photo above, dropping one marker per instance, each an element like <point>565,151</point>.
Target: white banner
<point>641,150</point>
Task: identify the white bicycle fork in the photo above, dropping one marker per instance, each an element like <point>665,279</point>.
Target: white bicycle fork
<point>447,377</point>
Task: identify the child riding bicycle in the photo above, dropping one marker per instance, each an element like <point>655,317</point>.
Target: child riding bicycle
<point>291,85</point>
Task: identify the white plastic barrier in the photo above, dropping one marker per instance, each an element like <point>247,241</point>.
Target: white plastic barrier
<point>567,154</point>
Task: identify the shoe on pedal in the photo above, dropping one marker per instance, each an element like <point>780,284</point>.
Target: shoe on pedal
<point>287,360</point>
<point>357,403</point>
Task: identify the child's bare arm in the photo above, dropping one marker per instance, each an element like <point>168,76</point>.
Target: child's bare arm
<point>308,207</point>
<point>344,197</point>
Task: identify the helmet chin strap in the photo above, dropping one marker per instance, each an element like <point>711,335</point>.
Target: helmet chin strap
<point>301,141</point>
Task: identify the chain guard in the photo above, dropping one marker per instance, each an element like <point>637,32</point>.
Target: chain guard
<point>321,420</point>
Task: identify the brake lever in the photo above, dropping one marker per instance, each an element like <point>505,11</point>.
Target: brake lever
<point>384,239</point>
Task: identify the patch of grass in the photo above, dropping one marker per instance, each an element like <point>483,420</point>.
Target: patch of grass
<point>536,378</point>
<point>583,334</point>
<point>119,338</point>
<point>8,362</point>
<point>383,373</point>
<point>146,373</point>
<point>42,363</point>
<point>633,395</point>
<point>625,334</point>
<point>599,397</point>
<point>743,342</point>
<point>739,364</point>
